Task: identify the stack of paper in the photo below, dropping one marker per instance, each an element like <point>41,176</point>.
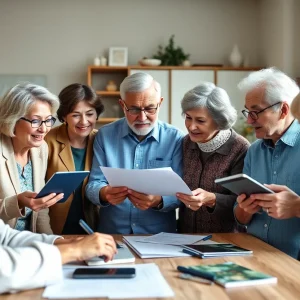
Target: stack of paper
<point>162,244</point>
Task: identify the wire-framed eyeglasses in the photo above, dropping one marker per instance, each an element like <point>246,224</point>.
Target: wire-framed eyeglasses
<point>254,114</point>
<point>36,123</point>
<point>137,111</point>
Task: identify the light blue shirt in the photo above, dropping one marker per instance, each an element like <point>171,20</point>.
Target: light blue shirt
<point>116,146</point>
<point>278,165</point>
<point>26,184</point>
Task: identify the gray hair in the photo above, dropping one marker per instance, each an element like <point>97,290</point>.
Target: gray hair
<point>18,101</point>
<point>295,107</point>
<point>278,86</point>
<point>138,82</point>
<point>215,100</point>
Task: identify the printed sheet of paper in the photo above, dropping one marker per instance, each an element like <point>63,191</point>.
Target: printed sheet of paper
<point>161,181</point>
<point>172,239</point>
<point>148,283</point>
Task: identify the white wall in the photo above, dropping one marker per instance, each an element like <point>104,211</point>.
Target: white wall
<point>279,34</point>
<point>59,38</point>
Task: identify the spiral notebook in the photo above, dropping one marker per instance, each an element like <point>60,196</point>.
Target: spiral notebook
<point>123,256</point>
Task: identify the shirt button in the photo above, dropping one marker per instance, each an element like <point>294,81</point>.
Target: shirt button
<point>265,225</point>
<point>137,165</point>
<point>275,172</point>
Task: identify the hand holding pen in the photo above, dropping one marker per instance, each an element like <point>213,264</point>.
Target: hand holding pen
<point>95,244</point>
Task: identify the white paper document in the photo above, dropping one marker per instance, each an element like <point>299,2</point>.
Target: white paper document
<point>148,283</point>
<point>172,239</point>
<point>161,181</point>
<point>149,250</point>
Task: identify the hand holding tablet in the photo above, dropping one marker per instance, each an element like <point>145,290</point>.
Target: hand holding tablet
<point>63,182</point>
<point>243,184</point>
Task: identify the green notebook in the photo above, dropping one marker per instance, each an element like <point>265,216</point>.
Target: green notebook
<point>229,274</point>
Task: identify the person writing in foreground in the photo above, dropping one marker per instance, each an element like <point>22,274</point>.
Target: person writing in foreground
<point>26,116</point>
<point>30,260</point>
<point>212,149</point>
<point>274,158</point>
<point>138,141</point>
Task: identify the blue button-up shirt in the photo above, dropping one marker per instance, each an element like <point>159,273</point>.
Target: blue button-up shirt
<point>278,165</point>
<point>116,146</point>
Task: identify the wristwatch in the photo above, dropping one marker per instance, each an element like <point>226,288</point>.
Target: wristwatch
<point>159,206</point>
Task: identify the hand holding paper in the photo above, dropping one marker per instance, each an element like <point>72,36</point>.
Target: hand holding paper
<point>162,181</point>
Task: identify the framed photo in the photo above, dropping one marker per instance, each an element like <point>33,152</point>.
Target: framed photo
<point>118,56</point>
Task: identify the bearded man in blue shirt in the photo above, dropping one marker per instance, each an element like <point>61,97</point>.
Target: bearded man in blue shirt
<point>273,159</point>
<point>138,141</point>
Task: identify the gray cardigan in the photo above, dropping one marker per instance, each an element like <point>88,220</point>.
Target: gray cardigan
<point>225,161</point>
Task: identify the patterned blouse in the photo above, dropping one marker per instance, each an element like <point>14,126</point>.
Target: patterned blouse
<point>26,184</point>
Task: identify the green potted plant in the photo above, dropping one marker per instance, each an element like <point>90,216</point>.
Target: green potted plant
<point>171,56</point>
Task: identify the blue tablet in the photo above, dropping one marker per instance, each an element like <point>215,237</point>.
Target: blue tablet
<point>63,182</point>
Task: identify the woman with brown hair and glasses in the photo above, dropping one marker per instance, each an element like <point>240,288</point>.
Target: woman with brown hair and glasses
<point>71,149</point>
<point>26,116</point>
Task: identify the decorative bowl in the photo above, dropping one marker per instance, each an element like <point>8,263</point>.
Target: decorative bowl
<point>150,62</point>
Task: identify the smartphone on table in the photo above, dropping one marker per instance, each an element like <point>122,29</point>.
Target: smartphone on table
<point>98,273</point>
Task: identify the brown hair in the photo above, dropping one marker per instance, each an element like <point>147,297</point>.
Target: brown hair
<point>71,95</point>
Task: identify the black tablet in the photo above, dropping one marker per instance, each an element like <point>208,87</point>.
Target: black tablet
<point>63,182</point>
<point>243,184</point>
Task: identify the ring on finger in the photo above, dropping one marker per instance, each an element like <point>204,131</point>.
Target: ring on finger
<point>189,206</point>
<point>267,210</point>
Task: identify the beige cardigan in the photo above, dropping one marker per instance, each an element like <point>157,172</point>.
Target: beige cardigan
<point>10,185</point>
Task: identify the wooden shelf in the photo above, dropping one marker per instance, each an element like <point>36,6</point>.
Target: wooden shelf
<point>107,120</point>
<point>108,94</point>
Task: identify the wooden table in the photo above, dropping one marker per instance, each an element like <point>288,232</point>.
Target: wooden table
<point>265,259</point>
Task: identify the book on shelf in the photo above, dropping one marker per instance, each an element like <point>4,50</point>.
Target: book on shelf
<point>215,250</point>
<point>228,274</point>
<point>124,255</point>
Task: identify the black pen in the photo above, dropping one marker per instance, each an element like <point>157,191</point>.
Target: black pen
<point>89,230</point>
<point>187,251</point>
<point>202,274</point>
<point>195,278</point>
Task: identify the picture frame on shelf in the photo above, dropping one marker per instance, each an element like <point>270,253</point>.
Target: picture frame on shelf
<point>118,56</point>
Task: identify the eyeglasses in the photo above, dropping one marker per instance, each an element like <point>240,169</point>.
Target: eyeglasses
<point>137,111</point>
<point>254,114</point>
<point>36,123</point>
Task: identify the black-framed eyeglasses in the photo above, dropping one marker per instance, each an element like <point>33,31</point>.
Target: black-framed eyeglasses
<point>254,114</point>
<point>36,123</point>
<point>137,111</point>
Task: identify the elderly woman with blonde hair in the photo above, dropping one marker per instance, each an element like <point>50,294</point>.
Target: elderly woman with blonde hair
<point>26,116</point>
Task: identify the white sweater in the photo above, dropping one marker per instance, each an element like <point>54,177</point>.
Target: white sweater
<point>27,260</point>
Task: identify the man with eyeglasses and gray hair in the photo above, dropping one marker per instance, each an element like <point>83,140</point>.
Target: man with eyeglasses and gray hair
<point>138,141</point>
<point>273,160</point>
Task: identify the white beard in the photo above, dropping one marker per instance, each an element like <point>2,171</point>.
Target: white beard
<point>142,132</point>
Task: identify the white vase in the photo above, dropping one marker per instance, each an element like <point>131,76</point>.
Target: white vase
<point>235,57</point>
<point>103,61</point>
<point>97,61</point>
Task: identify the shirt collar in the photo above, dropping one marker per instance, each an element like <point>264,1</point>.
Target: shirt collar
<point>125,131</point>
<point>225,148</point>
<point>289,137</point>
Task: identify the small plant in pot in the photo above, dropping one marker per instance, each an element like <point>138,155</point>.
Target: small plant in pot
<point>171,56</point>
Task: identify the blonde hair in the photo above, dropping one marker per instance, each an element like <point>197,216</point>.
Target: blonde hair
<point>295,107</point>
<point>17,102</point>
